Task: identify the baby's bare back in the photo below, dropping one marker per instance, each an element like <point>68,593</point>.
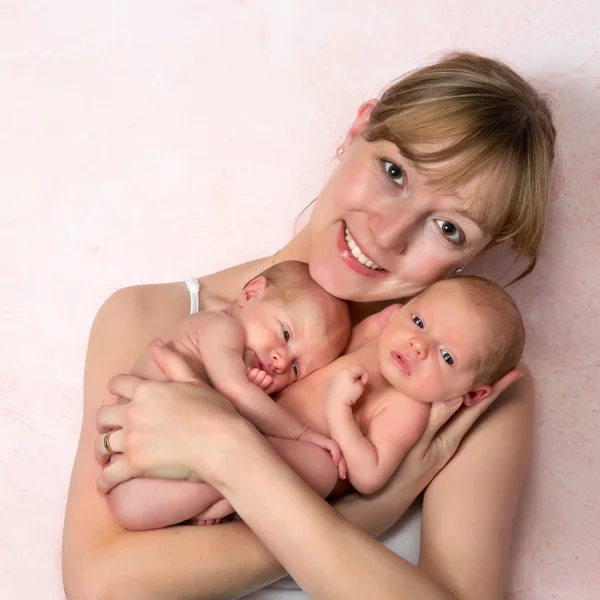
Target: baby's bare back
<point>182,337</point>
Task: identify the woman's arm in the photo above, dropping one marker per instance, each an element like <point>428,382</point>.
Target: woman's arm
<point>103,561</point>
<point>467,522</point>
<point>469,507</point>
<point>327,556</point>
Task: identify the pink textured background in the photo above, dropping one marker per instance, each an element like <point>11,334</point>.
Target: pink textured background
<point>146,141</point>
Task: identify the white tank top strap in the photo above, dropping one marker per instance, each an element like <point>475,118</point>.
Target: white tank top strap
<point>194,289</point>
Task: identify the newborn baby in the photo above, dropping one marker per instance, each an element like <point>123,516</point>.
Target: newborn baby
<point>282,327</point>
<point>454,340</point>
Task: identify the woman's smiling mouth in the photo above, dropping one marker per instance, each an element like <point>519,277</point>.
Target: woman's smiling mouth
<point>354,256</point>
<point>362,258</point>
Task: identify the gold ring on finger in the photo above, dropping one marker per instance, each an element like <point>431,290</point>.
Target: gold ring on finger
<point>107,442</point>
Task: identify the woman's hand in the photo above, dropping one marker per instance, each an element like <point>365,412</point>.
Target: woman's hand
<point>447,425</point>
<point>174,430</point>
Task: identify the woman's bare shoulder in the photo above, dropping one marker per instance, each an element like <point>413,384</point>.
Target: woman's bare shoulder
<point>147,302</point>
<point>125,323</point>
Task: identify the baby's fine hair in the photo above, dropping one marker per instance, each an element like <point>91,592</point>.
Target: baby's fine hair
<point>467,115</point>
<point>290,280</point>
<point>505,327</point>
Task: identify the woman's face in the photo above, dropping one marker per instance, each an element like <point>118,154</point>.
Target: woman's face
<point>379,230</point>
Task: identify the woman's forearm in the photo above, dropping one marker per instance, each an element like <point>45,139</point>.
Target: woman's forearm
<point>326,555</point>
<point>180,563</point>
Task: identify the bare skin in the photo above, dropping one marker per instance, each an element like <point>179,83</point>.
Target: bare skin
<point>417,234</point>
<point>215,344</point>
<point>101,560</point>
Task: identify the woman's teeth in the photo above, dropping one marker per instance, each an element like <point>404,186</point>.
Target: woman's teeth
<point>357,253</point>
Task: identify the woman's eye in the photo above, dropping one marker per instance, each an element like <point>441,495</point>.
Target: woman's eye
<point>295,369</point>
<point>418,322</point>
<point>450,231</point>
<point>446,356</point>
<point>286,333</point>
<point>394,172</point>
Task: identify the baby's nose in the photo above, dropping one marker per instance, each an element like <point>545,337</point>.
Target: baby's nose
<point>419,347</point>
<point>281,360</point>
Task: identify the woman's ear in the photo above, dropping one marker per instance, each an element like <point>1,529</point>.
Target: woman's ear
<point>476,395</point>
<point>254,289</point>
<point>361,120</point>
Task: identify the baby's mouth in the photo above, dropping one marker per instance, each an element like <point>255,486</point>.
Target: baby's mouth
<point>257,363</point>
<point>402,361</point>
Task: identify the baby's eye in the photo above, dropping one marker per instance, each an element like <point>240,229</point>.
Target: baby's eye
<point>446,356</point>
<point>418,322</point>
<point>295,370</point>
<point>394,172</point>
<point>286,333</point>
<point>451,232</point>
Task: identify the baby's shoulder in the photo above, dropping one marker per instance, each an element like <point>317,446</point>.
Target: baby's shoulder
<point>214,322</point>
<point>396,405</point>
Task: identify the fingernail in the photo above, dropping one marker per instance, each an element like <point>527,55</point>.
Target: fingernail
<point>453,402</point>
<point>160,343</point>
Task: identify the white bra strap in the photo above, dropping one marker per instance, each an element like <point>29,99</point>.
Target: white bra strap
<point>194,288</point>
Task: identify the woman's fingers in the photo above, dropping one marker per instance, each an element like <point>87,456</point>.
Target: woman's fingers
<point>110,416</point>
<point>115,441</point>
<point>117,472</point>
<point>125,386</point>
<point>172,364</point>
<point>466,418</point>
<point>439,414</point>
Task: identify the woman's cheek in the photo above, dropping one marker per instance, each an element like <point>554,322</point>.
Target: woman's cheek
<point>427,265</point>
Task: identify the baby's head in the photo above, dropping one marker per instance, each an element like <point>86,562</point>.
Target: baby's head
<point>292,325</point>
<point>456,338</point>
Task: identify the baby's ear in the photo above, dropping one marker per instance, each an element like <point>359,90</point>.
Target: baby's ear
<point>476,395</point>
<point>254,289</point>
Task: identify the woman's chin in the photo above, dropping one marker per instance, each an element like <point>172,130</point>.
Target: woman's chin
<point>342,283</point>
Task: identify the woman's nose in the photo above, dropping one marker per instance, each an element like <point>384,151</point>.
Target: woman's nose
<point>393,229</point>
<point>418,347</point>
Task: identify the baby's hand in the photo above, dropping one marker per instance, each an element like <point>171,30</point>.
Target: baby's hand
<point>259,377</point>
<point>347,386</point>
<point>312,437</point>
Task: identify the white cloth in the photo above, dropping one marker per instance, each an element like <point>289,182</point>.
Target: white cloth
<point>403,539</point>
<point>194,289</point>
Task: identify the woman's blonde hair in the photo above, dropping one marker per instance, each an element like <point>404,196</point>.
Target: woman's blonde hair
<point>467,115</point>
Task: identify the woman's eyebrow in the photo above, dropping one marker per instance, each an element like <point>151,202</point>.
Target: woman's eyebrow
<point>472,216</point>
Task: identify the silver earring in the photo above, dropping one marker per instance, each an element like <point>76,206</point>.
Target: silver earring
<point>458,271</point>
<point>341,150</point>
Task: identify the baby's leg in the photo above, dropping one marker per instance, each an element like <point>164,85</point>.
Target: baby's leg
<point>214,514</point>
<point>141,504</point>
<point>312,463</point>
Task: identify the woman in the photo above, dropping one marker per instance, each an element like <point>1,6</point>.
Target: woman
<point>454,158</point>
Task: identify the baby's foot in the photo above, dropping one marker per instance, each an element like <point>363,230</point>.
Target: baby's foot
<point>204,522</point>
<point>216,513</point>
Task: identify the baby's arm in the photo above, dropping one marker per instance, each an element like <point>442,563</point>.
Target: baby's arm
<point>371,459</point>
<point>221,347</point>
